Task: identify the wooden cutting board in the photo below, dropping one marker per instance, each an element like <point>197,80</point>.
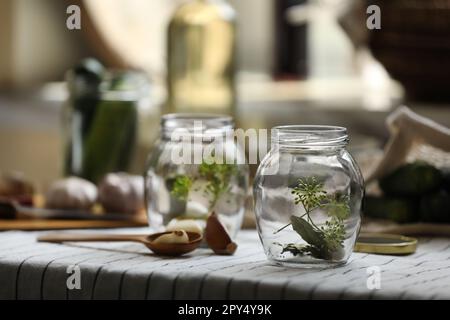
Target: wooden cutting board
<point>55,224</point>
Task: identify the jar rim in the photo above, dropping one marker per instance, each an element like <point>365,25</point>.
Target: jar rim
<point>198,116</point>
<point>137,85</point>
<point>209,124</point>
<point>309,136</point>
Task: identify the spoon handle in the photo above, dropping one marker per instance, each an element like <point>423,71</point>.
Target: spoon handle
<point>68,237</point>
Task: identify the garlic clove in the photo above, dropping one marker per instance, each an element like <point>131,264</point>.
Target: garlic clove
<point>196,209</point>
<point>174,237</point>
<point>188,225</point>
<point>217,237</point>
<point>173,249</point>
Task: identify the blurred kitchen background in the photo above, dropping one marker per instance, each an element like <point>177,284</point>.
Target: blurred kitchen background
<point>297,62</point>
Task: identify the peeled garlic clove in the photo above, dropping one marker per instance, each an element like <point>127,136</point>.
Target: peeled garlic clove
<point>71,193</point>
<point>188,225</point>
<point>178,236</point>
<point>217,237</point>
<point>196,209</point>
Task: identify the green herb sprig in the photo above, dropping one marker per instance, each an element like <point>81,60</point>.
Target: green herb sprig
<point>217,175</point>
<point>324,241</point>
<point>181,187</point>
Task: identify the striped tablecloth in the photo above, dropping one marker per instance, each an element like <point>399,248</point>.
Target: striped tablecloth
<point>31,270</point>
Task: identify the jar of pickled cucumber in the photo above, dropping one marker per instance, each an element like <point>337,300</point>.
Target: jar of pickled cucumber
<point>101,119</point>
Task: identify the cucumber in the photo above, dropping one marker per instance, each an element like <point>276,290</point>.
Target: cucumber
<point>401,210</point>
<point>104,120</point>
<point>109,145</point>
<point>414,179</point>
<point>436,207</point>
<point>446,179</point>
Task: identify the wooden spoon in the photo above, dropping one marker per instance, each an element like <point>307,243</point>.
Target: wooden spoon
<point>165,249</point>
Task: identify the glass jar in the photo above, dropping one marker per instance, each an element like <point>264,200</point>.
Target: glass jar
<point>195,169</point>
<point>102,120</point>
<point>308,192</point>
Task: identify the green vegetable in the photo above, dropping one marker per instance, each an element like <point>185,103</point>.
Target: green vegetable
<point>446,179</point>
<point>103,128</point>
<point>181,186</point>
<point>307,232</point>
<point>326,241</point>
<point>398,209</point>
<point>338,207</point>
<point>83,83</point>
<point>414,192</point>
<point>333,234</point>
<point>110,141</point>
<point>218,178</point>
<point>412,179</point>
<point>436,207</point>
<point>309,193</point>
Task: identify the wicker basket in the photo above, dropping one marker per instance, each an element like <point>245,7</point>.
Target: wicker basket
<point>414,45</point>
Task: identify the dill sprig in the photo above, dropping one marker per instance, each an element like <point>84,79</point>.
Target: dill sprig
<point>181,187</point>
<point>217,175</point>
<point>322,241</point>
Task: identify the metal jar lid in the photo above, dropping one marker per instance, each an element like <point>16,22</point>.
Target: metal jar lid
<point>381,243</point>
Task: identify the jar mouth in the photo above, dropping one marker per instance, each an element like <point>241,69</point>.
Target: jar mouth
<point>123,85</point>
<point>299,136</point>
<point>196,124</point>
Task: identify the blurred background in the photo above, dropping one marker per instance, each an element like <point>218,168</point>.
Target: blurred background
<point>294,62</point>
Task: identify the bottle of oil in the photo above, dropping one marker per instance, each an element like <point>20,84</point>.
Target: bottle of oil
<point>201,58</point>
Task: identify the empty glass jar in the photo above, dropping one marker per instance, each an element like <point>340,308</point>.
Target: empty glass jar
<point>196,168</point>
<point>308,193</point>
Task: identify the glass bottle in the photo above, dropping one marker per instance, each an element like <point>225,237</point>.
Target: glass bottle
<point>201,58</point>
<point>308,192</point>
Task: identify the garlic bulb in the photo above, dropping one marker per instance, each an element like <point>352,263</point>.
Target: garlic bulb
<point>71,193</point>
<point>179,236</point>
<point>14,184</point>
<point>121,193</point>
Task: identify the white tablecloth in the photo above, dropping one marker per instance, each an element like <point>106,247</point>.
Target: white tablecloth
<point>31,270</point>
